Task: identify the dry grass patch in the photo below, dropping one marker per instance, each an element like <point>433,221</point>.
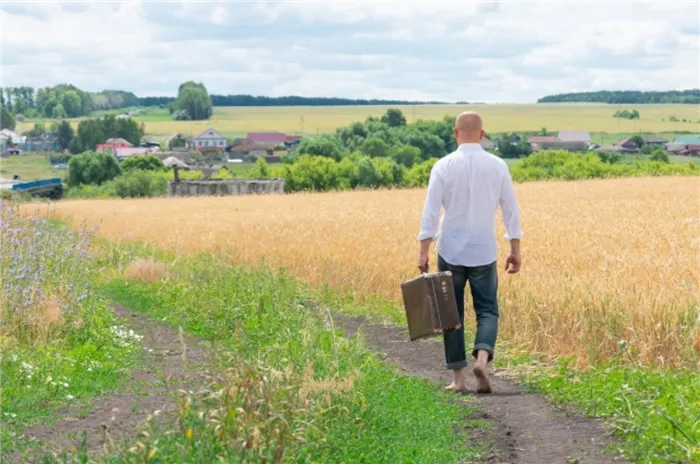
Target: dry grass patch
<point>145,270</point>
<point>610,266</point>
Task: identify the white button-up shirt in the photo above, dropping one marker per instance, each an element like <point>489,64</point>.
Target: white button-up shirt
<point>470,184</point>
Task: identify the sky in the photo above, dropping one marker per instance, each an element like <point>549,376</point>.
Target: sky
<point>486,51</point>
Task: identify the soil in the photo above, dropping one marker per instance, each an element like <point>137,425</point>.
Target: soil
<point>528,429</point>
<point>150,388</point>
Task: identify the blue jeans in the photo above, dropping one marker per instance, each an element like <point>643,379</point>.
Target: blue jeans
<point>483,283</point>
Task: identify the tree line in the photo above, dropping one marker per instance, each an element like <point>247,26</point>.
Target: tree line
<point>691,96</point>
<point>60,101</point>
<point>251,100</point>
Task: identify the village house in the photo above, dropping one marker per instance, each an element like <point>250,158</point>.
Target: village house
<point>542,139</point>
<point>675,147</point>
<point>273,139</point>
<point>45,142</point>
<point>687,140</point>
<point>240,151</point>
<point>127,152</point>
<point>487,144</point>
<point>292,141</point>
<point>558,145</point>
<point>691,150</point>
<point>655,141</point>
<point>626,146</point>
<point>574,136</point>
<point>112,143</point>
<point>515,137</point>
<point>207,140</point>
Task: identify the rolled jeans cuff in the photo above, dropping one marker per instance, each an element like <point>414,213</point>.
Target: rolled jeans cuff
<point>457,365</point>
<point>485,347</point>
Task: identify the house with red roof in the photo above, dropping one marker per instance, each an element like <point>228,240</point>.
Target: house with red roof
<point>266,138</point>
<point>112,143</point>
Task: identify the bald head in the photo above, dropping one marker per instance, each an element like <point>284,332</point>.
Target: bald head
<point>468,128</point>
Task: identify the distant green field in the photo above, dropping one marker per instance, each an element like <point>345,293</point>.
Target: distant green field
<point>235,121</point>
<point>29,167</point>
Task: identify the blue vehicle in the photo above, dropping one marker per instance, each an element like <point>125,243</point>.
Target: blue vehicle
<point>52,188</point>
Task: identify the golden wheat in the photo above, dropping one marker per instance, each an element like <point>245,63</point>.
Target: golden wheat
<point>610,266</point>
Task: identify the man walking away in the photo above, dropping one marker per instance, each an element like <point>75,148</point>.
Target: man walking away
<point>470,184</point>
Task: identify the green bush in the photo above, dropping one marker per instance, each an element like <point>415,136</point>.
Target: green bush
<point>419,174</point>
<point>139,184</point>
<point>132,184</point>
<point>660,155</point>
<point>91,168</point>
<point>143,163</point>
<point>559,164</point>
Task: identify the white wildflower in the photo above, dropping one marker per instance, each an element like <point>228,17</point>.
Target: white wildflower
<point>70,397</point>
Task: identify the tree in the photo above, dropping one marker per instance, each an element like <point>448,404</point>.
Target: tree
<point>72,104</point>
<point>143,163</point>
<point>65,134</point>
<point>508,149</point>
<point>58,111</point>
<point>7,121</point>
<point>375,148</point>
<point>261,170</point>
<point>92,168</point>
<point>92,132</point>
<point>394,118</point>
<point>405,155</point>
<point>660,155</point>
<point>194,99</point>
<point>638,140</point>
<point>322,145</point>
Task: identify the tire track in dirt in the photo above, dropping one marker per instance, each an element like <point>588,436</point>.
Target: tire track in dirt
<point>181,361</point>
<point>528,429</point>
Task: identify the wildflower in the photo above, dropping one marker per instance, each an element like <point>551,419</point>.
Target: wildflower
<point>70,397</point>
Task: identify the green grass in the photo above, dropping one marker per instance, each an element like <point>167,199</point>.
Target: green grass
<point>279,343</point>
<point>44,269</point>
<point>29,167</point>
<point>656,412</point>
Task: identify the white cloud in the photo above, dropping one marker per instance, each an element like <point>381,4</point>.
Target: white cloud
<point>473,51</point>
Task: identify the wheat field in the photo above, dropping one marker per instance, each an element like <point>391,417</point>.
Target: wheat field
<point>610,266</point>
<point>236,121</point>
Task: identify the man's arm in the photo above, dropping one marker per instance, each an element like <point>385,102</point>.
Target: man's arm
<point>511,221</point>
<point>430,217</point>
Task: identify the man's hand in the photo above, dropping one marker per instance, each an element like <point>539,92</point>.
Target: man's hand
<point>514,261</point>
<point>423,261</point>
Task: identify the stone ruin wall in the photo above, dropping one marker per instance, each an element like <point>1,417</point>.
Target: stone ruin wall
<point>185,188</point>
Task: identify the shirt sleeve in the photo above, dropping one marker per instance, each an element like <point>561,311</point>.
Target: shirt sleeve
<point>433,203</point>
<point>509,208</point>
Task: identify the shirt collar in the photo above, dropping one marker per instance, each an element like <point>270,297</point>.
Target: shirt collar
<point>471,146</point>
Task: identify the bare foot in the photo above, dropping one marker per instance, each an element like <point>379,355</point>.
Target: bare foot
<point>482,378</point>
<point>457,386</point>
<point>460,381</point>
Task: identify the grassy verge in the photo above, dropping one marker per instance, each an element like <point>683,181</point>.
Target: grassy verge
<point>61,343</point>
<point>655,412</point>
<point>295,390</point>
<point>29,167</point>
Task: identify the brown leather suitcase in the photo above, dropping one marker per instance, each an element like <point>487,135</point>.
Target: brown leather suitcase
<point>430,304</point>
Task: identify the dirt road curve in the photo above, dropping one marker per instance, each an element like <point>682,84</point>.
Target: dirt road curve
<point>528,429</point>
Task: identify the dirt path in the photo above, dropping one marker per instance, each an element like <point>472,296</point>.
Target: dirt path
<point>117,416</point>
<point>528,429</point>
